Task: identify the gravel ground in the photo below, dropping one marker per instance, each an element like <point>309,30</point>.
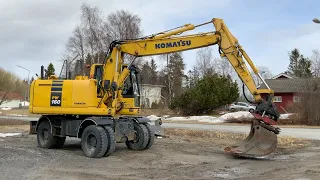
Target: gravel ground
<point>169,158</point>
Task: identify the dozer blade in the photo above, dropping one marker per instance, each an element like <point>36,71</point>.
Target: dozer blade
<point>260,142</point>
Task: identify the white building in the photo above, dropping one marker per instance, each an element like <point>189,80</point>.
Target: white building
<point>150,94</point>
<point>13,100</point>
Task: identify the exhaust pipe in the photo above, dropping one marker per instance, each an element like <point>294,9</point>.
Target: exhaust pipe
<point>42,72</point>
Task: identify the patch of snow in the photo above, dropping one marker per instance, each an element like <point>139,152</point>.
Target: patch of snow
<point>9,134</point>
<point>285,116</point>
<point>15,115</point>
<point>6,108</point>
<point>211,119</point>
<point>153,117</point>
<point>236,115</point>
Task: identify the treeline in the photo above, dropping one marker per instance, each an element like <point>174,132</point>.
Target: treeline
<point>11,86</point>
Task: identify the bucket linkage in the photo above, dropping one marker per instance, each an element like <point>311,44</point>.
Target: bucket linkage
<point>262,140</point>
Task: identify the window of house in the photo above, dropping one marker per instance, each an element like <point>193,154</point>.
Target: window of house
<point>296,98</point>
<point>277,99</point>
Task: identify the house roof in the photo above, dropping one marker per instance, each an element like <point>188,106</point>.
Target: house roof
<point>11,96</point>
<point>283,74</point>
<point>291,85</point>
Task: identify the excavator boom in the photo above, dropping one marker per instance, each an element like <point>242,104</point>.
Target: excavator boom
<point>262,138</point>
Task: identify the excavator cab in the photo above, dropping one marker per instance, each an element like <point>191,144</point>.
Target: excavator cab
<point>131,86</point>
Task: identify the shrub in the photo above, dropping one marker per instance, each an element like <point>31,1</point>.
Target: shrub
<point>209,93</point>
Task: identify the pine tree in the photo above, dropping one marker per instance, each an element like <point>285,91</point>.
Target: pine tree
<point>153,72</point>
<point>146,73</point>
<point>299,66</point>
<point>176,73</point>
<point>294,62</point>
<point>50,70</point>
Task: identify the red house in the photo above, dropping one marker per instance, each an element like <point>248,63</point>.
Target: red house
<point>286,89</point>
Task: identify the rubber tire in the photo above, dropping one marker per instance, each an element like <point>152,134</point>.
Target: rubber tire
<point>143,139</point>
<point>251,110</point>
<point>102,141</point>
<point>151,136</point>
<point>232,109</point>
<point>111,140</point>
<point>51,141</point>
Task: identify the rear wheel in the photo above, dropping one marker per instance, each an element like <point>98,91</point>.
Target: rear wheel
<point>251,110</point>
<point>141,138</point>
<point>45,138</point>
<point>151,136</point>
<point>111,140</point>
<point>94,141</point>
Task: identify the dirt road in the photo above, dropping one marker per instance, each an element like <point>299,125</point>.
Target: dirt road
<point>170,158</point>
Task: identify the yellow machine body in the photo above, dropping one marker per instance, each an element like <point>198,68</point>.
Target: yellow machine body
<point>71,97</point>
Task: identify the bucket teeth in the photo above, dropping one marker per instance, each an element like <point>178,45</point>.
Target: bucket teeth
<point>260,142</point>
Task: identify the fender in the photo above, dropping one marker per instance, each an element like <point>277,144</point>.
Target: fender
<point>100,121</point>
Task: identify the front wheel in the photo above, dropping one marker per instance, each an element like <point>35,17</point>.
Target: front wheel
<point>94,141</point>
<point>251,110</point>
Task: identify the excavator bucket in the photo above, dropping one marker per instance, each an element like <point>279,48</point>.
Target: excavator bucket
<point>260,142</point>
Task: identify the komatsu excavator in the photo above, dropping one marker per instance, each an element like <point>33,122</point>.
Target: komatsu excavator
<point>103,109</point>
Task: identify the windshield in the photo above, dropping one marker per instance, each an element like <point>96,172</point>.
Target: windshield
<point>135,85</point>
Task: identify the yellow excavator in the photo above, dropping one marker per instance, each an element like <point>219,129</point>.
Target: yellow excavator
<point>103,109</point>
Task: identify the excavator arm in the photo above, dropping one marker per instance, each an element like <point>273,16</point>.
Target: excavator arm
<point>262,139</point>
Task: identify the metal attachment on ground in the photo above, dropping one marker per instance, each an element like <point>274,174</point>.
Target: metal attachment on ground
<point>261,141</point>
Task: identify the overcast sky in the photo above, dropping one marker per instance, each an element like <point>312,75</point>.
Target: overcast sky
<point>34,33</point>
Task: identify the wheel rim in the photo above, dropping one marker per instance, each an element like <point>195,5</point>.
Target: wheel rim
<point>91,142</point>
<point>44,134</point>
<point>136,136</point>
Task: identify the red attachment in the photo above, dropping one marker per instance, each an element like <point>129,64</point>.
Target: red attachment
<point>265,119</point>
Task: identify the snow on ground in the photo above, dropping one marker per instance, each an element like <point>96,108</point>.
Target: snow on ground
<point>9,134</point>
<point>15,115</point>
<point>212,119</point>
<point>6,108</point>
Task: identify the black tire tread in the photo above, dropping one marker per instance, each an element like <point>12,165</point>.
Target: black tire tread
<point>151,136</point>
<point>52,140</point>
<point>135,146</point>
<point>111,140</point>
<point>103,140</point>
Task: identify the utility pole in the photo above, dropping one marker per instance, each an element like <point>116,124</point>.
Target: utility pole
<point>28,91</point>
<point>169,82</point>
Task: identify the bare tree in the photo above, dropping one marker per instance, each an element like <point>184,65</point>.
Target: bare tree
<point>315,63</point>
<point>95,33</point>
<point>76,43</point>
<point>92,24</point>
<point>122,25</point>
<point>10,85</point>
<point>205,62</point>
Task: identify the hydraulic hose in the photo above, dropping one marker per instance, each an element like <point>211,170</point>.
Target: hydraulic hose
<point>244,94</point>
